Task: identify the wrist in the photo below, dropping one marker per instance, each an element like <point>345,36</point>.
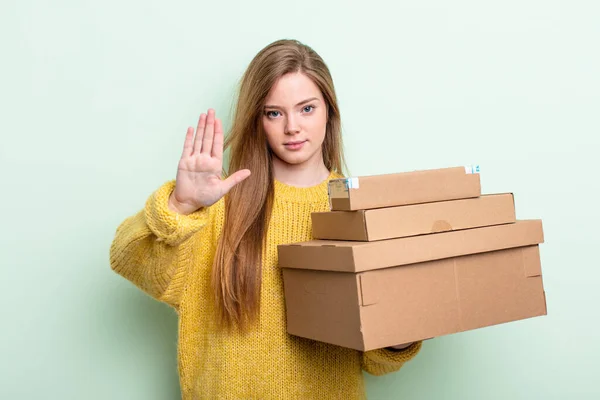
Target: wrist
<point>175,206</point>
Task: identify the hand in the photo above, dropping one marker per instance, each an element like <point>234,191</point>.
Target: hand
<point>198,183</point>
<point>401,346</point>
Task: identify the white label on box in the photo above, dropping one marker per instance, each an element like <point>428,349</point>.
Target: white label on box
<point>352,183</point>
<point>472,169</point>
<point>338,188</point>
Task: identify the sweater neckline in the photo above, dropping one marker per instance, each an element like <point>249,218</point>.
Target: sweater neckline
<point>303,194</point>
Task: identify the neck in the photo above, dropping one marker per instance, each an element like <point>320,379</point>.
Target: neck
<point>310,173</point>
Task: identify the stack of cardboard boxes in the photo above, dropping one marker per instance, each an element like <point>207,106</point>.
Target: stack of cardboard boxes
<point>411,256</point>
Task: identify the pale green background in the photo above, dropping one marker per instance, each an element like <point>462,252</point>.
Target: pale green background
<point>96,98</point>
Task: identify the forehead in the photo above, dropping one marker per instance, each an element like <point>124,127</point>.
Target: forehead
<point>293,88</point>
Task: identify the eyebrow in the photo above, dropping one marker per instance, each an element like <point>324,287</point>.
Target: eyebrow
<point>299,104</point>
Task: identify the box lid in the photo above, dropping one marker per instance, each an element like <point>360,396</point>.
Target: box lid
<point>351,256</point>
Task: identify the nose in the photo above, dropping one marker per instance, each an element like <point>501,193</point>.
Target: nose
<point>292,127</point>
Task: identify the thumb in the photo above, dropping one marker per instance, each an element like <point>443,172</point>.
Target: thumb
<point>234,179</point>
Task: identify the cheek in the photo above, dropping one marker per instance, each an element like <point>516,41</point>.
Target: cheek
<point>271,130</point>
<point>319,125</point>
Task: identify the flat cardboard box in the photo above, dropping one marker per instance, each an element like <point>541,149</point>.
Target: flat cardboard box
<point>414,187</point>
<point>373,295</point>
<point>352,256</point>
<point>391,306</point>
<point>416,219</point>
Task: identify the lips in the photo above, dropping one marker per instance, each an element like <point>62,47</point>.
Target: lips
<point>295,145</point>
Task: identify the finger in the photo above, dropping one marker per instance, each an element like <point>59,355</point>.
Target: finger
<point>188,144</point>
<point>209,132</point>
<point>217,147</point>
<point>234,179</point>
<point>199,134</point>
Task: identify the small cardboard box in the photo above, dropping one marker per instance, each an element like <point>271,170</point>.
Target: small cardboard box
<point>372,295</point>
<point>414,187</point>
<point>416,219</point>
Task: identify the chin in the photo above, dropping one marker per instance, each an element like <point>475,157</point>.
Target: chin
<point>294,158</point>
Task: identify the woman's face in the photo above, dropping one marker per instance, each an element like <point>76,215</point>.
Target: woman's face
<point>295,119</point>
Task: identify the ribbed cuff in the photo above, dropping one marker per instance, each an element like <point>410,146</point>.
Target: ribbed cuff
<point>382,361</point>
<point>168,225</point>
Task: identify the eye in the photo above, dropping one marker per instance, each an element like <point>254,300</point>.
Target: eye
<point>308,109</point>
<point>272,114</point>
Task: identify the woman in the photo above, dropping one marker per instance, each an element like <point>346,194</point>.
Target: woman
<point>207,246</point>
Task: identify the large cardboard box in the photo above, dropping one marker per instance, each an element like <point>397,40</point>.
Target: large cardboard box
<point>372,295</point>
<point>414,187</point>
<point>416,219</point>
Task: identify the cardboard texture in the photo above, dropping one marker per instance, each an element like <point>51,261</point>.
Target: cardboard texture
<point>387,307</point>
<point>415,187</point>
<point>417,219</point>
<point>347,256</point>
<point>412,256</point>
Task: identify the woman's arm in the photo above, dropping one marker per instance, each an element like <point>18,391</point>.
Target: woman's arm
<point>153,248</point>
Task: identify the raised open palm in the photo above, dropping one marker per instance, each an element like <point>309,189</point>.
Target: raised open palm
<point>198,183</point>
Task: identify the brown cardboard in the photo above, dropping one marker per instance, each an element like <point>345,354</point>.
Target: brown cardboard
<point>414,187</point>
<point>352,256</point>
<point>416,219</point>
<point>391,306</point>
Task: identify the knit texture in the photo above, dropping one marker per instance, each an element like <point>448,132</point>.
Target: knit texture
<point>169,256</point>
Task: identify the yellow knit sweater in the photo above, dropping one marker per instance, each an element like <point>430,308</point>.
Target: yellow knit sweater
<point>169,256</point>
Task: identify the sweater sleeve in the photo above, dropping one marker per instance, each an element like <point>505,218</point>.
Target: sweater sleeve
<point>153,248</point>
<point>383,361</point>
